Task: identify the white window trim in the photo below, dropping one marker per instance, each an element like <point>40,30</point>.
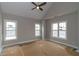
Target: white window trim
<point>6,20</point>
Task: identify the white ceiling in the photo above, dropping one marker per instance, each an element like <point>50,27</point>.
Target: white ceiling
<point>24,9</point>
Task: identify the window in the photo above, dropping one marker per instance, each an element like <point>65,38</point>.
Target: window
<point>10,30</point>
<point>62,30</point>
<point>55,30</point>
<point>59,30</point>
<point>37,29</point>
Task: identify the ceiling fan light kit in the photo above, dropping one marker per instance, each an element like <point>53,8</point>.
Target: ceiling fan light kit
<point>38,6</point>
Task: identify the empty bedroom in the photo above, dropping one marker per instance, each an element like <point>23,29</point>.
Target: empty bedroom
<point>39,28</point>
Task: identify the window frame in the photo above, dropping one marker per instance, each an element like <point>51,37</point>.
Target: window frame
<point>7,20</point>
<point>38,30</point>
<point>54,30</point>
<point>62,30</point>
<point>58,29</point>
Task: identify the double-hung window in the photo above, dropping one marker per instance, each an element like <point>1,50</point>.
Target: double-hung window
<point>59,30</point>
<point>55,30</point>
<point>37,29</point>
<point>10,30</point>
<point>62,30</point>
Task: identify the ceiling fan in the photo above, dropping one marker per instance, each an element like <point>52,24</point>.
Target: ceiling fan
<point>38,6</point>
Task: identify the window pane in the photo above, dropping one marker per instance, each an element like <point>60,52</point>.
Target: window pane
<point>62,26</point>
<point>10,38</point>
<point>37,25</point>
<point>10,33</point>
<point>37,29</point>
<point>55,26</point>
<point>10,30</point>
<point>10,24</point>
<point>55,33</point>
<point>37,33</point>
<point>62,34</point>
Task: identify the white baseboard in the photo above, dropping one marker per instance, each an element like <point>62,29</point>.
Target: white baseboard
<point>65,44</point>
<point>19,43</point>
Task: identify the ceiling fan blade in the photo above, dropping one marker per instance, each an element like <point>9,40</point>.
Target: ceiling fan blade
<point>42,4</point>
<point>33,8</point>
<point>41,9</point>
<point>34,3</point>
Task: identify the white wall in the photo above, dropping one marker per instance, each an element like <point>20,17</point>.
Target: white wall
<point>64,11</point>
<point>78,28</point>
<point>25,29</point>
<point>0,30</point>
